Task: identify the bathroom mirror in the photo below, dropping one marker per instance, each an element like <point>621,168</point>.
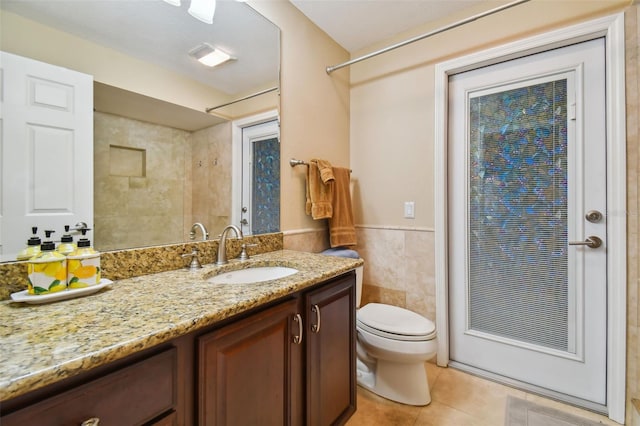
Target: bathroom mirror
<point>195,146</point>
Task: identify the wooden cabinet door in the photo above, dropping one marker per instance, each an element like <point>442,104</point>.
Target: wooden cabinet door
<point>331,352</point>
<point>249,372</point>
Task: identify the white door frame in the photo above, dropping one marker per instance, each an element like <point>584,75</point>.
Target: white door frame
<point>236,157</point>
<point>612,28</point>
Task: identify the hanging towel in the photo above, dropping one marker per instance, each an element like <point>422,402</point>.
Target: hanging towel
<point>326,170</point>
<point>342,231</point>
<point>319,194</point>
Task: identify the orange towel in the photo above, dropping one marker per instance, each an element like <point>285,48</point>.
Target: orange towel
<point>342,231</point>
<point>326,171</point>
<point>319,194</point>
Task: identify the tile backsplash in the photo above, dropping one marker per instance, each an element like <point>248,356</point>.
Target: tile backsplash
<point>129,263</point>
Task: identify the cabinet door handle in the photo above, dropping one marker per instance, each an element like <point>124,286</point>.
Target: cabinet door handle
<point>316,327</point>
<point>93,421</point>
<point>298,339</point>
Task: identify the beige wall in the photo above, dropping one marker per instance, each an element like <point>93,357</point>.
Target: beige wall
<point>392,108</point>
<point>314,107</point>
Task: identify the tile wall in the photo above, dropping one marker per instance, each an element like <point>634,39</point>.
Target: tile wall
<point>143,202</point>
<point>632,43</point>
<point>184,177</point>
<point>211,178</point>
<point>399,268</point>
<point>399,264</point>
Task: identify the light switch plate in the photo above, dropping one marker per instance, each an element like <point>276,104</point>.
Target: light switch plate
<point>409,210</point>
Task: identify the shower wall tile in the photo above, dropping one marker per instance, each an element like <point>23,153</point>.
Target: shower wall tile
<point>187,179</point>
<point>211,166</point>
<point>150,204</point>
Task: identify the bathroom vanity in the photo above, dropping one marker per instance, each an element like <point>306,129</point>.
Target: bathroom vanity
<point>174,349</point>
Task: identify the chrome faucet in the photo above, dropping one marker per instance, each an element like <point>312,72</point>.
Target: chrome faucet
<point>192,233</point>
<point>222,249</point>
<point>194,265</point>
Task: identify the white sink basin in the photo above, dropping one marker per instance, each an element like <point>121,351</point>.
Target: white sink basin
<point>252,275</point>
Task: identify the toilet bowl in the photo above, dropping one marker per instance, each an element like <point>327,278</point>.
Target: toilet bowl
<point>393,344</point>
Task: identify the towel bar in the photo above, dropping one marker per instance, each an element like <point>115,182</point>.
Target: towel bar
<point>294,162</point>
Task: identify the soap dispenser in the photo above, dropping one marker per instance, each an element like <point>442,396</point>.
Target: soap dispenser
<point>47,270</point>
<point>33,246</point>
<point>83,268</point>
<point>66,246</point>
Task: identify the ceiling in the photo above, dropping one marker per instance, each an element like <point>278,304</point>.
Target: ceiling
<point>356,24</point>
<point>157,32</point>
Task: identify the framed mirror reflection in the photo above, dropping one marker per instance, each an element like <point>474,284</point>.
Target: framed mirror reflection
<point>160,163</point>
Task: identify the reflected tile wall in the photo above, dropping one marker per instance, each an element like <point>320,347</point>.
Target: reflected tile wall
<point>211,178</point>
<point>150,207</point>
<point>160,206</point>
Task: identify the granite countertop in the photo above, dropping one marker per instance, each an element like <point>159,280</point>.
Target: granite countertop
<point>45,343</point>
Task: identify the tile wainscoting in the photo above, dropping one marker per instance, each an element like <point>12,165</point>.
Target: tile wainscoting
<point>399,266</point>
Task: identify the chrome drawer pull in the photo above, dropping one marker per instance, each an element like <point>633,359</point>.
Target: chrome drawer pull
<point>93,421</point>
<point>298,339</point>
<point>316,327</point>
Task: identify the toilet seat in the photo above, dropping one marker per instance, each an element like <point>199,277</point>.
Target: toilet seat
<point>395,323</point>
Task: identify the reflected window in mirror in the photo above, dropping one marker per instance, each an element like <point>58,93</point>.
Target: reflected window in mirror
<point>261,179</point>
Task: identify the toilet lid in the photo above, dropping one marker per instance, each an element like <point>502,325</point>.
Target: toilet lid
<point>395,320</point>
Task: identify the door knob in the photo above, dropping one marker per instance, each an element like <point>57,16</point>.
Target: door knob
<point>591,242</point>
<point>593,216</point>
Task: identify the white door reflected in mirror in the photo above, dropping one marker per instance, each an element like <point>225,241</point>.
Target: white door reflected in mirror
<point>256,202</point>
<point>47,158</point>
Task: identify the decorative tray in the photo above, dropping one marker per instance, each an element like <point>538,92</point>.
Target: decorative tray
<point>24,296</point>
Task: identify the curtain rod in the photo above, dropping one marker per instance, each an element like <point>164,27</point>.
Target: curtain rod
<point>333,68</point>
<point>262,92</point>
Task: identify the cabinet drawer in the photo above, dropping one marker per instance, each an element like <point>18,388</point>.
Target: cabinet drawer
<point>132,395</point>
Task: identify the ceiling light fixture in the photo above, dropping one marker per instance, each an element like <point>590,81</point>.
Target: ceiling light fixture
<point>209,55</point>
<point>203,10</point>
<point>173,2</point>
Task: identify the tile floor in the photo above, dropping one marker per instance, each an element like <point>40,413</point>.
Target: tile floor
<point>457,399</point>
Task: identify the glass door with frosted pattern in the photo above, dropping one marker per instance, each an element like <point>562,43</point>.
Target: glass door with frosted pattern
<point>527,149</point>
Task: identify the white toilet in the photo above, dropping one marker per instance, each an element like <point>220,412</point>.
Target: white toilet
<point>393,344</point>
